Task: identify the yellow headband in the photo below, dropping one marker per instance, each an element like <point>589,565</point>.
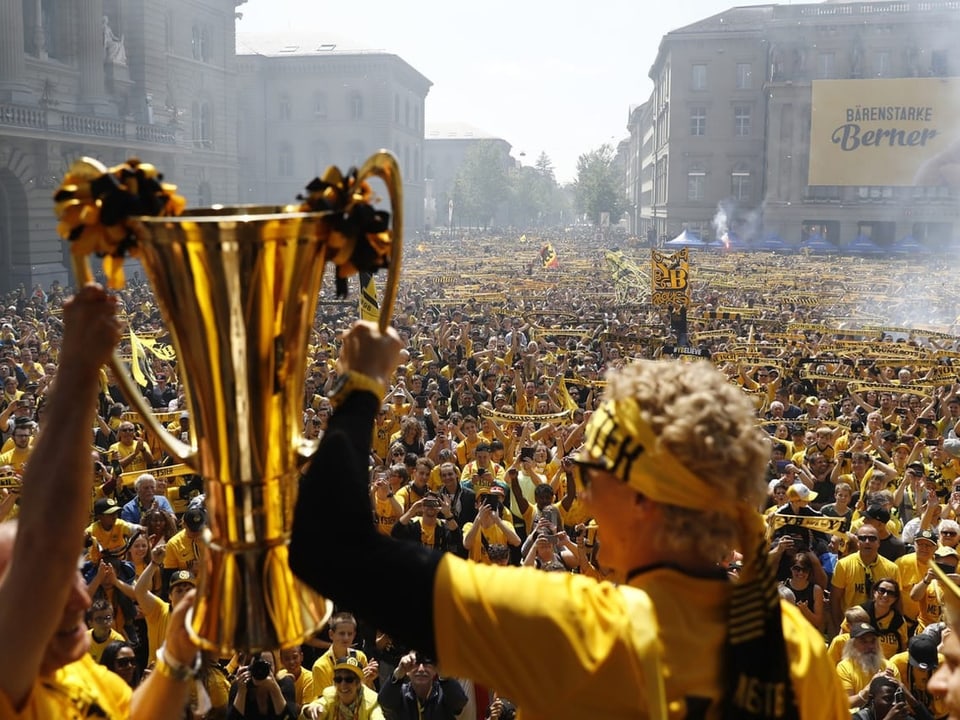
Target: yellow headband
<point>619,440</point>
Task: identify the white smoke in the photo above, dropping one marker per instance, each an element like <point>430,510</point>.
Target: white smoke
<point>721,228</point>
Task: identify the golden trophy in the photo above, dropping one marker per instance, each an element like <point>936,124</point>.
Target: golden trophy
<point>238,289</point>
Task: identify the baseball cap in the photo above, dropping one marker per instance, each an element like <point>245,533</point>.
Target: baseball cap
<point>799,491</point>
<point>929,535</point>
<point>194,519</point>
<point>492,490</point>
<point>945,551</point>
<point>922,651</point>
<point>106,506</point>
<point>182,576</point>
<point>861,629</point>
<point>349,663</point>
<point>877,512</point>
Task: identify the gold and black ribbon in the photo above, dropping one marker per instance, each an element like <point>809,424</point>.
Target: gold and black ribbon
<point>98,209</point>
<point>358,237</point>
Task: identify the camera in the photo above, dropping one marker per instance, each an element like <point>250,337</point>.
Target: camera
<point>259,669</point>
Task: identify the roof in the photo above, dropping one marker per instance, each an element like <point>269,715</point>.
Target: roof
<point>735,19</point>
<point>455,130</point>
<point>293,44</point>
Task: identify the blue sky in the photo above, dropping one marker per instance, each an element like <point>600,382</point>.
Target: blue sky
<point>556,77</point>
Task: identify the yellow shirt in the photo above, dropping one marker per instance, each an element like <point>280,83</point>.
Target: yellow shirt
<point>909,573</point>
<point>850,579</point>
<point>72,692</point>
<point>97,648</point>
<point>581,658</point>
<point>183,552</point>
<point>854,679</point>
<point>17,458</point>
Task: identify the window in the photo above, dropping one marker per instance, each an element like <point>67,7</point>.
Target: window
<point>320,106</point>
<point>744,76</point>
<point>825,63</point>
<point>741,120</point>
<point>696,185</point>
<point>285,162</point>
<point>202,124</point>
<point>284,110</point>
<point>698,78</point>
<point>881,64</point>
<point>698,121</point>
<point>741,185</point>
<point>356,106</point>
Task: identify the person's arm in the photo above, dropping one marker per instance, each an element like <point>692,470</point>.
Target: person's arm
<point>920,588</point>
<point>836,604</point>
<point>164,694</point>
<point>337,477</point>
<point>813,614</point>
<point>44,588</point>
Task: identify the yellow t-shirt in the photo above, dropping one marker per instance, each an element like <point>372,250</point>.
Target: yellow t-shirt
<point>303,685</point>
<point>322,670</point>
<point>916,681</point>
<point>580,659</point>
<point>97,648</point>
<point>494,535</point>
<point>854,679</point>
<point>850,579</point>
<point>112,539</point>
<point>72,692</point>
<point>16,458</point>
<point>183,553</point>
<point>386,515</point>
<point>909,573</point>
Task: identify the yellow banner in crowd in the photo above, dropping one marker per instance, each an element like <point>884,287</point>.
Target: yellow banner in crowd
<point>818,524</point>
<point>670,273</point>
<point>891,131</point>
<point>545,418</point>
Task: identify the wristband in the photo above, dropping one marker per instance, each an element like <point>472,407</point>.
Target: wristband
<point>176,671</point>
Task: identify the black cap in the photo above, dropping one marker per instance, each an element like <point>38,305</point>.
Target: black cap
<point>194,519</point>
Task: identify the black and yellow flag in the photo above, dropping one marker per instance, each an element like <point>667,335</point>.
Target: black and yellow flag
<point>548,256</point>
<point>369,305</point>
<point>671,277</point>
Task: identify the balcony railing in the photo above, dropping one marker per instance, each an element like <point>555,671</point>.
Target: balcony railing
<point>47,119</point>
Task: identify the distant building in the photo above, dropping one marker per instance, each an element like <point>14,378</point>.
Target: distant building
<point>730,122</point>
<point>110,80</point>
<point>446,148</point>
<point>308,102</point>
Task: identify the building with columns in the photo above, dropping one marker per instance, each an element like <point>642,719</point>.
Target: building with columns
<point>109,79</point>
<point>307,102</point>
<point>729,122</point>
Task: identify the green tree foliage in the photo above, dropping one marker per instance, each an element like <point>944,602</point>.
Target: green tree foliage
<point>536,200</point>
<point>481,186</point>
<point>598,185</point>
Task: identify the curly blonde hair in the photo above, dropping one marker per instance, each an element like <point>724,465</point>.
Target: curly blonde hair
<point>709,425</point>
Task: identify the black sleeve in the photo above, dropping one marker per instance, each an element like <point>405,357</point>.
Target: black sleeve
<point>335,547</point>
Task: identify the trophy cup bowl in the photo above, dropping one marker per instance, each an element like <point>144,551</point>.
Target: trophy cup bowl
<point>238,289</point>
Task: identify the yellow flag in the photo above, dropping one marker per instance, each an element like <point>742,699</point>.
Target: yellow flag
<point>369,306</point>
<point>139,365</point>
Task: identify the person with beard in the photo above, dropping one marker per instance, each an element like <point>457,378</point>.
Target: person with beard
<point>417,692</point>
<point>862,660</point>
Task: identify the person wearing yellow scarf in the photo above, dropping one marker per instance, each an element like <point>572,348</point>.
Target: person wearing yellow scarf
<point>674,469</point>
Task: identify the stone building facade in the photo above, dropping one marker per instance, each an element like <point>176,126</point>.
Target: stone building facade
<point>308,102</point>
<point>109,79</point>
<point>728,122</point>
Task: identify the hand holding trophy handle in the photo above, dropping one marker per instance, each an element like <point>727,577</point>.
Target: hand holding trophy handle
<point>176,448</point>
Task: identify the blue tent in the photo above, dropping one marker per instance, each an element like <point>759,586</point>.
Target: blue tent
<point>771,242</point>
<point>686,239</point>
<point>863,245</point>
<point>908,246</point>
<point>818,244</point>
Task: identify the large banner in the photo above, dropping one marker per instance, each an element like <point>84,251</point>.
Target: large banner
<point>671,277</point>
<point>900,131</point>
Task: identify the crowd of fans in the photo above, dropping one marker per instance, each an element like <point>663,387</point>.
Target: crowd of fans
<point>469,455</point>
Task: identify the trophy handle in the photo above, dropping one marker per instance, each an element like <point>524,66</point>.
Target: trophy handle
<point>178,449</point>
<point>384,166</point>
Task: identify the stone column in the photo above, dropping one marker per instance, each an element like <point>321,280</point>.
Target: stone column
<point>12,64</point>
<point>90,50</point>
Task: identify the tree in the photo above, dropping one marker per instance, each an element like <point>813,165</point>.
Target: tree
<point>535,198</point>
<point>481,185</point>
<point>598,185</point>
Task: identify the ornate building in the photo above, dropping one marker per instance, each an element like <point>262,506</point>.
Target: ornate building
<point>729,122</point>
<point>308,102</point>
<point>109,79</point>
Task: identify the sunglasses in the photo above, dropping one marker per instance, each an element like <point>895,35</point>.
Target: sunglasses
<point>886,591</point>
<point>948,533</point>
<point>868,538</point>
<point>349,679</point>
<point>125,662</point>
<point>799,568</point>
